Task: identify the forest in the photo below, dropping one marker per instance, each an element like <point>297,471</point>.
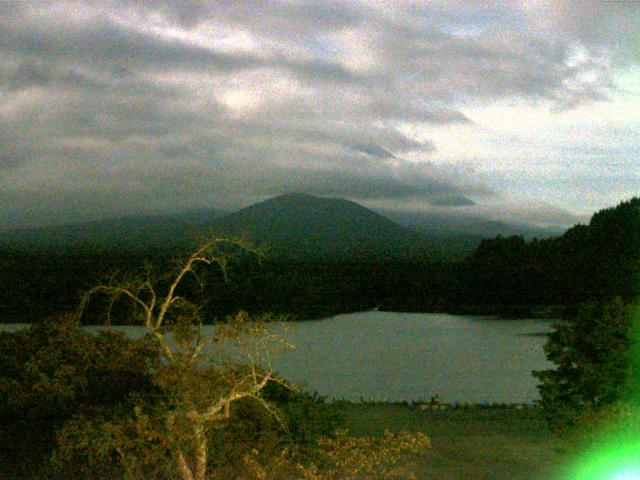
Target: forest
<point>504,275</point>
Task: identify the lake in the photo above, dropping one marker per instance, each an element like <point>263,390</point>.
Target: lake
<point>413,356</point>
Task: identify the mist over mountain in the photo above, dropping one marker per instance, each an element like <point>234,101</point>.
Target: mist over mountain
<point>294,225</point>
<point>446,224</point>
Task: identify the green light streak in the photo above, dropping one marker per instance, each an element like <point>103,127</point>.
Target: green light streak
<point>613,460</point>
<point>616,456</point>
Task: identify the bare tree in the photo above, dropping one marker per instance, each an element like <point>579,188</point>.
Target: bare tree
<point>201,376</point>
<point>202,382</point>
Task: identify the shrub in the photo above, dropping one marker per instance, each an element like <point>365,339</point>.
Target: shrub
<point>53,371</point>
<point>308,416</point>
<point>591,352</point>
<point>137,441</point>
<point>387,457</point>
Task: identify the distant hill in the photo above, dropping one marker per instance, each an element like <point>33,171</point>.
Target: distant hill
<point>140,232</point>
<point>291,226</point>
<point>305,226</point>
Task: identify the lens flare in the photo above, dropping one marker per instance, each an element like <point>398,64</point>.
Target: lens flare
<point>632,474</point>
<point>610,462</point>
<point>616,455</point>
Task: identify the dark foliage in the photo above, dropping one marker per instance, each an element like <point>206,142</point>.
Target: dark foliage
<point>504,275</point>
<point>592,354</point>
<point>307,416</point>
<point>34,285</point>
<point>86,445</point>
<point>598,261</point>
<point>54,371</point>
<point>67,392</point>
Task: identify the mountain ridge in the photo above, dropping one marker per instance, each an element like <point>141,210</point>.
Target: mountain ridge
<point>300,225</point>
<point>153,231</point>
<point>294,225</point>
<point>439,224</point>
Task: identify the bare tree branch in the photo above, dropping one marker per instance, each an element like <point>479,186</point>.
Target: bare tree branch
<point>156,303</point>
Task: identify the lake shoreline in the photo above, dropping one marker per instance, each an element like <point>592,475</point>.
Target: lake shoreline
<point>507,312</point>
<point>412,357</point>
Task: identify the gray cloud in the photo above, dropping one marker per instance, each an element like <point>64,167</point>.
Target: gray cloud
<point>156,104</point>
<point>541,214</point>
<point>13,151</point>
<point>381,184</point>
<point>608,29</point>
<point>28,75</point>
<point>105,41</point>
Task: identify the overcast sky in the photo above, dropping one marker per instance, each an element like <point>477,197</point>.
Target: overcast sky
<point>516,109</point>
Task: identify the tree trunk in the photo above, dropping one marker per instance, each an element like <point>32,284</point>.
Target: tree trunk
<point>201,452</point>
<point>183,468</point>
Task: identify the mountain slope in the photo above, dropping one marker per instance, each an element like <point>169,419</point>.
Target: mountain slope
<point>291,226</point>
<point>301,225</point>
<point>142,232</point>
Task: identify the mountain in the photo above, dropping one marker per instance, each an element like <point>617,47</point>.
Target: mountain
<point>140,232</point>
<point>305,226</point>
<point>291,226</point>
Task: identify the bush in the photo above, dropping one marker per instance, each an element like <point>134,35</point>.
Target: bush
<point>94,397</point>
<point>54,371</point>
<point>592,356</point>
<point>391,456</point>
<point>308,416</point>
<point>136,441</point>
<point>130,443</point>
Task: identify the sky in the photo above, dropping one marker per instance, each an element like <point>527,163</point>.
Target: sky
<point>515,110</point>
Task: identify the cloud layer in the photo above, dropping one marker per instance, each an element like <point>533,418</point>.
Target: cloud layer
<point>115,106</point>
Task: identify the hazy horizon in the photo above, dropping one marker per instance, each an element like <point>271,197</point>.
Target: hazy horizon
<point>395,215</point>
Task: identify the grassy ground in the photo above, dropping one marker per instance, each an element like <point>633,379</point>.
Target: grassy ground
<point>472,443</point>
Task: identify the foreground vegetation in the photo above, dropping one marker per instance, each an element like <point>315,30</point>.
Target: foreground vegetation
<point>477,442</point>
<point>164,406</point>
<point>471,442</point>
<point>106,406</point>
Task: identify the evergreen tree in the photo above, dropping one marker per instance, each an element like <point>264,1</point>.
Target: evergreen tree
<point>593,364</point>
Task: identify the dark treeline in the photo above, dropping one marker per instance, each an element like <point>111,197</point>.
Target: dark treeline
<point>38,283</point>
<point>34,285</point>
<point>503,275</point>
<point>315,289</point>
<point>588,263</point>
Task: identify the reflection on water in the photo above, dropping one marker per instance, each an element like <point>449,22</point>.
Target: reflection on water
<point>413,356</point>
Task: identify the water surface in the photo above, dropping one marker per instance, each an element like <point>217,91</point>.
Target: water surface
<point>407,356</point>
<point>412,356</point>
